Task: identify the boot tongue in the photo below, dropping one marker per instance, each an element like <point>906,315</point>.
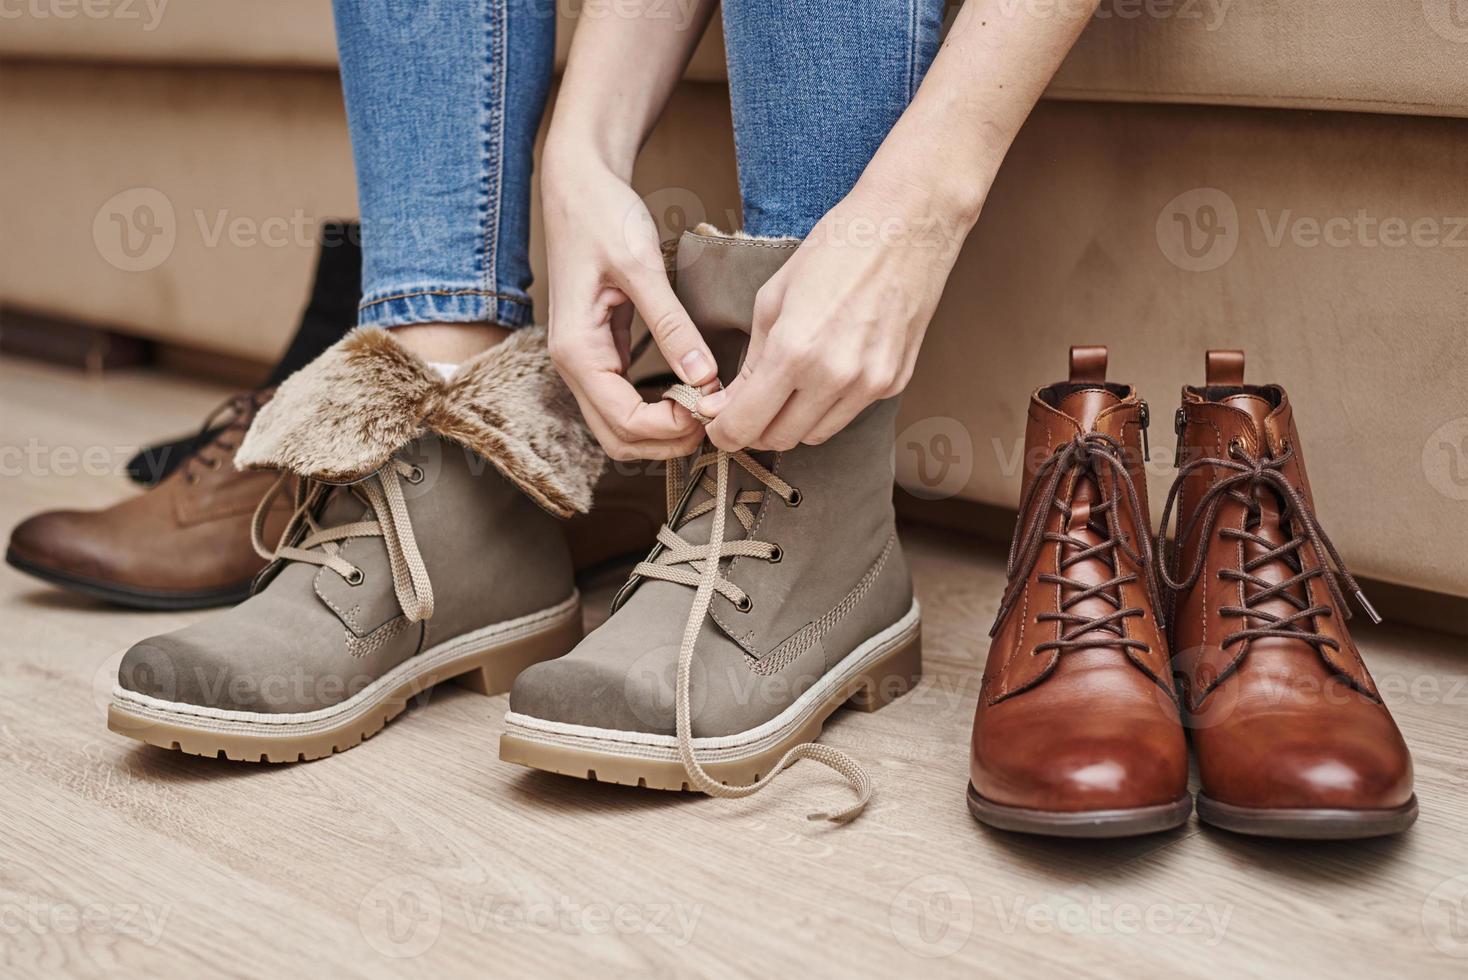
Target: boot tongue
<point>1084,404</point>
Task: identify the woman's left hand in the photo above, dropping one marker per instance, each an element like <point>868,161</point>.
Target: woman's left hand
<point>839,326</point>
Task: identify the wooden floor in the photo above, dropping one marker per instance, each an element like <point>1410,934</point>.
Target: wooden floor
<point>420,854</point>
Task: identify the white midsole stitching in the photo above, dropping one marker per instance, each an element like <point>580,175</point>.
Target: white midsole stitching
<point>369,696</point>
<point>654,746</point>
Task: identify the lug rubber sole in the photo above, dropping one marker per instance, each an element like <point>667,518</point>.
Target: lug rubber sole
<point>1091,824</point>
<point>130,596</point>
<point>872,676</point>
<point>1307,824</point>
<point>486,661</point>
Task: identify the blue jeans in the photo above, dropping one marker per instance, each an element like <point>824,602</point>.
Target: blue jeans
<point>444,99</point>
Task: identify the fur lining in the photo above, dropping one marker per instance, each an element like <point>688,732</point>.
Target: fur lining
<point>342,416</point>
<point>706,230</point>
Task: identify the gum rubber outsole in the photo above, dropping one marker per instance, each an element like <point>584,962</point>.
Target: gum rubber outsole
<point>1307,823</point>
<point>1089,824</point>
<point>488,668</point>
<point>889,676</point>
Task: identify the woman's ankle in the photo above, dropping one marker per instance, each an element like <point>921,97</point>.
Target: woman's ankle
<point>449,343</point>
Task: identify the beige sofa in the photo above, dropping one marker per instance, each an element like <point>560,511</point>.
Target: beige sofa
<point>1284,177</point>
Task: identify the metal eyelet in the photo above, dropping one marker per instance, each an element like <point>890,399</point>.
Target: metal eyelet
<point>795,498</point>
<point>776,555</point>
<point>1235,445</point>
<point>415,475</point>
<point>745,604</point>
<point>356,578</point>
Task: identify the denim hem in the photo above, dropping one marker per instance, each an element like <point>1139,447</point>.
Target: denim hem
<point>401,307</point>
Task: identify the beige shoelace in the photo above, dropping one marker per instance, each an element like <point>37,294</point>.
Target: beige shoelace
<point>383,492</point>
<point>704,577</point>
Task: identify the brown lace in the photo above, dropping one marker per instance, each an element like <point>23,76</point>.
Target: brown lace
<point>215,453</point>
<point>1247,473</point>
<point>1103,457</point>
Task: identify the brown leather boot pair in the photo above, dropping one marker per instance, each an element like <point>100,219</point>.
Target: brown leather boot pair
<point>1080,726</point>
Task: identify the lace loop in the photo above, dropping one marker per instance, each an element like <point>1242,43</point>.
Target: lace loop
<point>1104,457</point>
<point>1245,474</point>
<point>705,578</point>
<point>383,493</point>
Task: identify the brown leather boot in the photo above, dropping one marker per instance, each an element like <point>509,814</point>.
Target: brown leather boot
<point>1077,731</point>
<point>1291,736</point>
<point>185,544</point>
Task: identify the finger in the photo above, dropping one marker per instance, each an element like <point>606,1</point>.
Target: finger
<point>838,417</point>
<point>801,414</point>
<point>748,406</point>
<point>672,329</point>
<point>621,324</point>
<point>628,417</point>
<point>621,449</point>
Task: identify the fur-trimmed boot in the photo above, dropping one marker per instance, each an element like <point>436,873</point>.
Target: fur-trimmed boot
<point>425,544</point>
<point>777,592</point>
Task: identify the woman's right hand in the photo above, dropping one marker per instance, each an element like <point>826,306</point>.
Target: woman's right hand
<point>605,258</point>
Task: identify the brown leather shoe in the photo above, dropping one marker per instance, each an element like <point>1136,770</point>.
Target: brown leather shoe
<point>1077,731</point>
<point>1291,736</point>
<point>185,544</point>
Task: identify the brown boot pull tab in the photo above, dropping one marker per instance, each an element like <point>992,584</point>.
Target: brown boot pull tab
<point>1088,363</point>
<point>1225,368</point>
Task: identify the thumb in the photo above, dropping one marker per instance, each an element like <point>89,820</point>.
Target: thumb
<point>672,328</point>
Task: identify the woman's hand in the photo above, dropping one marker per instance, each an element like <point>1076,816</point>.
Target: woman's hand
<point>840,325</point>
<point>602,245</point>
<point>605,259</point>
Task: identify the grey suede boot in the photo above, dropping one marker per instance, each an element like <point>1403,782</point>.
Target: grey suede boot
<point>713,675</point>
<point>424,546</point>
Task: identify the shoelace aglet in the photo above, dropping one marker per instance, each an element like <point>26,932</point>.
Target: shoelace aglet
<point>1366,605</point>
